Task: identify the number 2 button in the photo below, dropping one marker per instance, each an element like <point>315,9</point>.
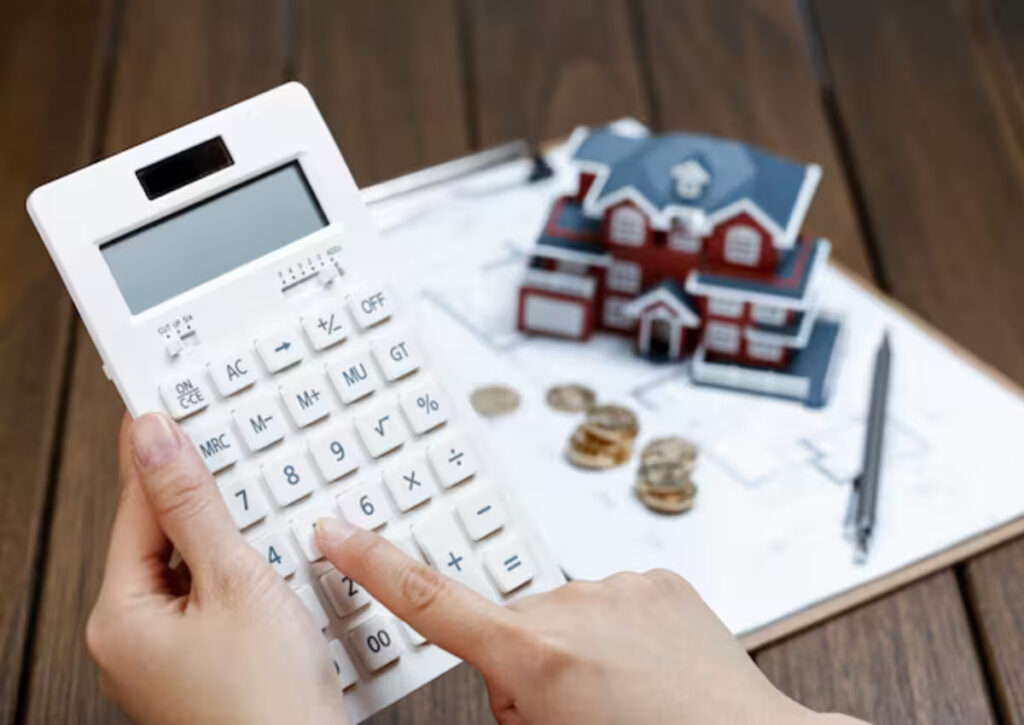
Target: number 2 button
<point>289,478</point>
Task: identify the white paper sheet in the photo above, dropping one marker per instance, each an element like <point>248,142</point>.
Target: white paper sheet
<point>765,537</point>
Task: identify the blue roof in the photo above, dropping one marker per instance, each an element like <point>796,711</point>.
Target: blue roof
<point>792,275</point>
<point>568,228</point>
<point>677,291</point>
<point>738,171</point>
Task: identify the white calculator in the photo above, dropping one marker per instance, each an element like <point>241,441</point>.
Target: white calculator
<point>229,275</point>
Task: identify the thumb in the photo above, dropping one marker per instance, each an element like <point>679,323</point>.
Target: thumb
<point>183,495</point>
<point>448,614</point>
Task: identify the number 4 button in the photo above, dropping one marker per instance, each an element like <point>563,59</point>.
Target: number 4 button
<point>277,553</point>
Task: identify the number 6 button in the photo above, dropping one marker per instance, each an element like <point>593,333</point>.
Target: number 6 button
<point>365,506</point>
<point>377,642</point>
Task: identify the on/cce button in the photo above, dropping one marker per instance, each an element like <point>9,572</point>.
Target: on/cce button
<point>370,305</point>
<point>185,395</point>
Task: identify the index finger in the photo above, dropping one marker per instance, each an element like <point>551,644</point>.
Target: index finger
<point>448,614</point>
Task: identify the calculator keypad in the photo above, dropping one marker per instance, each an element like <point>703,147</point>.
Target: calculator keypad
<point>336,416</point>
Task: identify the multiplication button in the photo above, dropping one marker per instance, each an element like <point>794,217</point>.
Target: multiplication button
<point>185,395</point>
<point>370,305</point>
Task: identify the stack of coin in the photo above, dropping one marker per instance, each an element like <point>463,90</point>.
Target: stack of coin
<point>605,438</point>
<point>663,482</point>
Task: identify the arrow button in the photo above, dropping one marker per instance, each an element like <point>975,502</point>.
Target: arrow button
<point>279,349</point>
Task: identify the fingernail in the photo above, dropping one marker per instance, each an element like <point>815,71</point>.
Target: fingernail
<point>335,529</point>
<point>154,441</point>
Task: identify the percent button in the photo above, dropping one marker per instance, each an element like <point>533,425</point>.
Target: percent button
<point>425,408</point>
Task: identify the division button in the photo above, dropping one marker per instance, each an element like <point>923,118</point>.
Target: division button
<point>452,460</point>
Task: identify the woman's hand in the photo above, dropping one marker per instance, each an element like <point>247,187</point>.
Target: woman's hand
<point>221,641</point>
<point>635,648</point>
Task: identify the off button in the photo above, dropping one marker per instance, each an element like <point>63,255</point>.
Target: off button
<point>185,395</point>
<point>370,305</point>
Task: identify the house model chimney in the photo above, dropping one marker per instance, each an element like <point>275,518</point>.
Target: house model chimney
<point>691,178</point>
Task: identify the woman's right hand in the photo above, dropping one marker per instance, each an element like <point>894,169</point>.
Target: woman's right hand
<point>636,648</point>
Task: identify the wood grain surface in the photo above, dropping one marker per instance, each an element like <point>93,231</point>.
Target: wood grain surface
<point>538,69</point>
<point>167,74</point>
<point>50,78</point>
<point>905,658</point>
<point>388,79</point>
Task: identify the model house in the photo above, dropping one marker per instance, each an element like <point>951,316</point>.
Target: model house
<point>690,244</point>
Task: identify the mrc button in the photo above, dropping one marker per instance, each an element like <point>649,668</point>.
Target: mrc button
<point>370,305</point>
<point>185,395</point>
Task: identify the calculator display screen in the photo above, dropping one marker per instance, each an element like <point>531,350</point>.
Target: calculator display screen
<point>219,234</point>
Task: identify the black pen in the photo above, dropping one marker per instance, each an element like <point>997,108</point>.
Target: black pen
<point>866,484</point>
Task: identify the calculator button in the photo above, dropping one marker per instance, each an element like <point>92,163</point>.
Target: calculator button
<point>246,502</point>
<point>370,305</point>
<point>233,372</point>
<point>259,419</point>
<point>306,399</point>
<point>185,395</point>
<point>342,664</point>
<point>415,638</point>
<point>288,477</point>
<point>410,482</point>
<point>336,453</point>
<point>452,461</point>
<point>325,328</point>
<point>376,641</point>
<point>396,355</point>
<point>354,377</point>
<point>365,506</point>
<point>425,408</point>
<point>304,530</point>
<point>278,553</point>
<point>509,565</point>
<point>280,349</point>
<point>309,598</point>
<point>481,512</point>
<point>448,551</point>
<point>344,595</point>
<point>380,431</point>
<point>217,445</point>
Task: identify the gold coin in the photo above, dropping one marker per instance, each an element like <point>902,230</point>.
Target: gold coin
<point>588,451</point>
<point>615,421</point>
<point>570,398</point>
<point>667,502</point>
<point>494,400</point>
<point>669,449</point>
<point>666,476</point>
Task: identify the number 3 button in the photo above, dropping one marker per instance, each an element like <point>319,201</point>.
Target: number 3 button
<point>365,506</point>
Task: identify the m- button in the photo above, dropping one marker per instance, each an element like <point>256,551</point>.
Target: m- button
<point>370,305</point>
<point>185,395</point>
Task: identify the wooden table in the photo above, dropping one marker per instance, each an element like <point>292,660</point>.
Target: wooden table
<point>914,109</point>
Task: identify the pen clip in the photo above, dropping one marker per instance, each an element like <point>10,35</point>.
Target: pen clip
<point>850,519</point>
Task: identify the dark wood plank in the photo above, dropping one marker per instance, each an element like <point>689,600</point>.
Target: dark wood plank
<point>388,79</point>
<point>538,69</point>
<point>741,69</point>
<point>905,658</point>
<point>168,72</point>
<point>932,141</point>
<point>50,76</point>
<point>995,587</point>
<point>1005,21</point>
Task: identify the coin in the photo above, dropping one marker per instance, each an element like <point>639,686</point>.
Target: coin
<point>666,504</point>
<point>669,449</point>
<point>570,397</point>
<point>494,400</point>
<point>667,476</point>
<point>615,421</point>
<point>596,451</point>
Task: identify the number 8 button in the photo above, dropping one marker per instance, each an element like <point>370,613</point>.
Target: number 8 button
<point>288,477</point>
<point>377,642</point>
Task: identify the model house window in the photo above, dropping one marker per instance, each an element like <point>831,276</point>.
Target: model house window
<point>743,245</point>
<point>614,314</point>
<point>628,226</point>
<point>722,337</point>
<point>578,268</point>
<point>764,351</point>
<point>681,239</point>
<point>768,314</point>
<point>722,307</point>
<point>624,277</point>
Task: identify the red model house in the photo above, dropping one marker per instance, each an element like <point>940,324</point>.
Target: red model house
<point>690,244</point>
